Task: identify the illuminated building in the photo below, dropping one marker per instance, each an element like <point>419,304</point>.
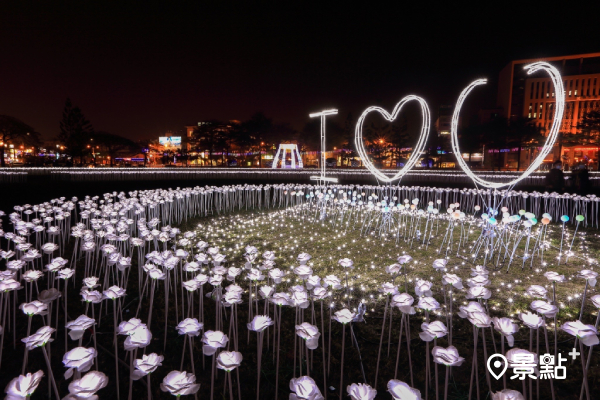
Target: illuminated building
<point>444,120</point>
<point>520,95</point>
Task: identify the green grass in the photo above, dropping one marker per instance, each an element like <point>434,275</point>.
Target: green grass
<point>289,233</point>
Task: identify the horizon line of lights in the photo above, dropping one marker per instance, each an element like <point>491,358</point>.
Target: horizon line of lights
<point>234,170</point>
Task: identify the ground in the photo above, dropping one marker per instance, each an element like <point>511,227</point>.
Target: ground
<point>291,232</point>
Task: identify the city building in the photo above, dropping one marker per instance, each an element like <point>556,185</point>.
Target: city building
<point>443,121</point>
<point>522,95</point>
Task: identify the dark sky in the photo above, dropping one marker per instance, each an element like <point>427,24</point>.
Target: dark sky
<point>139,69</point>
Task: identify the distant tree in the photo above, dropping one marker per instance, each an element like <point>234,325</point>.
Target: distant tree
<point>500,133</point>
<point>523,132</point>
<point>259,132</point>
<point>589,131</point>
<point>399,140</point>
<point>14,131</point>
<point>493,135</point>
<point>75,131</point>
<point>208,137</point>
<point>227,139</point>
<point>384,140</point>
<point>309,138</point>
<point>348,132</point>
<point>566,139</point>
<point>114,144</point>
<point>470,139</point>
<point>347,139</point>
<point>153,148</point>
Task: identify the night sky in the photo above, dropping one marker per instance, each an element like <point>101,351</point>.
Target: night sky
<point>140,70</point>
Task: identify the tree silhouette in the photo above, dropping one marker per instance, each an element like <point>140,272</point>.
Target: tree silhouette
<point>493,135</point>
<point>208,137</point>
<point>14,131</point>
<point>259,132</point>
<point>523,132</point>
<point>471,139</point>
<point>589,131</point>
<point>399,139</point>
<point>113,144</point>
<point>347,140</point>
<point>75,131</point>
<point>500,133</point>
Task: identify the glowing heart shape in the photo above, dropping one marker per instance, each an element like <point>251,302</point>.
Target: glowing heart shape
<point>552,135</point>
<point>417,150</point>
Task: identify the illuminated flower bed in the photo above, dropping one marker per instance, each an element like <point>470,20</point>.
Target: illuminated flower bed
<point>287,290</point>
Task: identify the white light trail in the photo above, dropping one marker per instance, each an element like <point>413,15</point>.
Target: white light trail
<point>323,114</point>
<point>552,136</point>
<point>293,148</point>
<point>326,178</point>
<point>417,150</point>
<point>333,111</point>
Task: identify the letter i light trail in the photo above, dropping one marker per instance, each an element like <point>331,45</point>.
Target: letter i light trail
<point>322,178</point>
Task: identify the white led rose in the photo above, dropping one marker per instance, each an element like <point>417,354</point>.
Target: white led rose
<point>552,135</point>
<point>417,150</point>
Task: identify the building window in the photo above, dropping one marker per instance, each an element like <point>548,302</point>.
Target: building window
<point>531,91</point>
<point>587,89</point>
<point>542,91</point>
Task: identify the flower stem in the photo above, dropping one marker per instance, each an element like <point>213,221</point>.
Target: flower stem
<point>52,375</point>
